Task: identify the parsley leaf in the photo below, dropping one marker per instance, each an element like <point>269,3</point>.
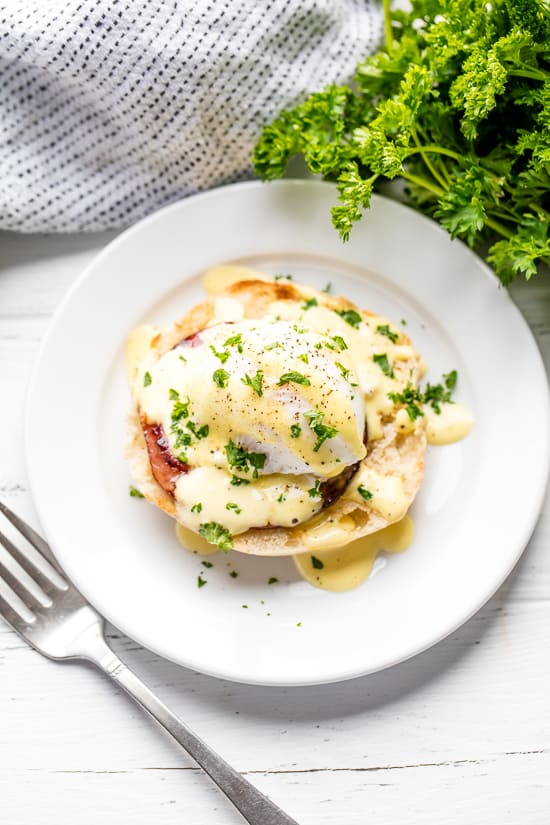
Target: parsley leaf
<point>201,582</point>
<point>220,378</point>
<point>196,508</point>
<point>295,430</point>
<point>238,482</point>
<point>200,432</point>
<point>315,492</point>
<point>231,505</point>
<point>235,341</point>
<point>295,378</point>
<point>316,563</point>
<point>322,431</point>
<point>242,460</point>
<point>364,493</point>
<point>147,380</point>
<point>217,534</point>
<point>134,492</point>
<point>382,360</point>
<point>340,343</point>
<point>310,302</point>
<point>180,410</point>
<point>384,329</point>
<point>223,355</point>
<point>255,382</point>
<point>350,316</point>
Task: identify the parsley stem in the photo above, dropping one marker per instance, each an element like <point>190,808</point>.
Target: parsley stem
<point>424,152</point>
<point>387,25</point>
<point>434,149</point>
<point>531,74</point>
<point>498,227</point>
<point>424,183</point>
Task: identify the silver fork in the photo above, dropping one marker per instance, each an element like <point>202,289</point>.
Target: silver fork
<point>61,624</point>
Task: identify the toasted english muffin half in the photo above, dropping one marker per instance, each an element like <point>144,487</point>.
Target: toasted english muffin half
<point>386,480</point>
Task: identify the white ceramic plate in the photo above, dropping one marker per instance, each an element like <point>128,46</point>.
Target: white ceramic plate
<point>473,516</point>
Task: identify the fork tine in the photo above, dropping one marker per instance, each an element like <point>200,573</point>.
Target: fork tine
<point>32,536</point>
<point>11,616</point>
<point>21,590</point>
<point>40,578</point>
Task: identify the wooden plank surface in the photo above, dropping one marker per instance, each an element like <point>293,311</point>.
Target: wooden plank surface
<point>459,734</point>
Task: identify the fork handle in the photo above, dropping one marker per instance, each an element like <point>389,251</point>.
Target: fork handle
<point>251,804</point>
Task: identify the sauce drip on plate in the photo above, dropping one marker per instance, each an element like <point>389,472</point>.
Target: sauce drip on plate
<point>347,567</point>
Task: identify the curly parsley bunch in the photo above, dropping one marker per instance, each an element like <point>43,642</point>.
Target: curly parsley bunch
<point>457,104</point>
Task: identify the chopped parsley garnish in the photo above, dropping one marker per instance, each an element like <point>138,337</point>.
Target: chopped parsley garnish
<point>339,341</point>
<point>180,410</point>
<point>315,492</point>
<point>310,302</point>
<point>276,345</point>
<point>196,508</point>
<point>304,357</point>
<point>182,457</point>
<point>182,358</point>
<point>233,574</point>
<point>237,482</point>
<point>299,330</point>
<point>295,430</point>
<point>243,460</point>
<point>434,395</point>
<point>281,498</point>
<point>255,382</point>
<point>450,379</point>
<point>328,287</point>
<point>182,439</point>
<point>217,534</point>
<point>343,370</point>
<point>282,275</point>
<point>319,345</point>
<point>383,329</point>
<point>382,360</point>
<point>134,492</point>
<point>199,433</point>
<point>316,563</point>
<point>273,580</point>
<point>410,398</point>
<point>200,582</point>
<point>345,373</point>
<point>235,340</point>
<point>231,505</point>
<point>207,564</point>
<point>350,316</point>
<point>173,395</point>
<point>147,379</point>
<point>322,431</point>
<point>244,606</point>
<point>223,355</point>
<point>364,493</point>
<point>220,378</point>
<point>295,378</point>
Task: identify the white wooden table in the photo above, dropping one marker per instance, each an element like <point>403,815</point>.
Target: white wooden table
<point>459,734</point>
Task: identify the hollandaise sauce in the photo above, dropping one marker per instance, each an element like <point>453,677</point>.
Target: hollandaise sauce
<point>344,568</point>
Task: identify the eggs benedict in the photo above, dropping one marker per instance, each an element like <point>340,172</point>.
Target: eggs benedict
<point>263,420</point>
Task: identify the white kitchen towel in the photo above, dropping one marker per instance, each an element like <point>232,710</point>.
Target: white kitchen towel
<point>112,108</point>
